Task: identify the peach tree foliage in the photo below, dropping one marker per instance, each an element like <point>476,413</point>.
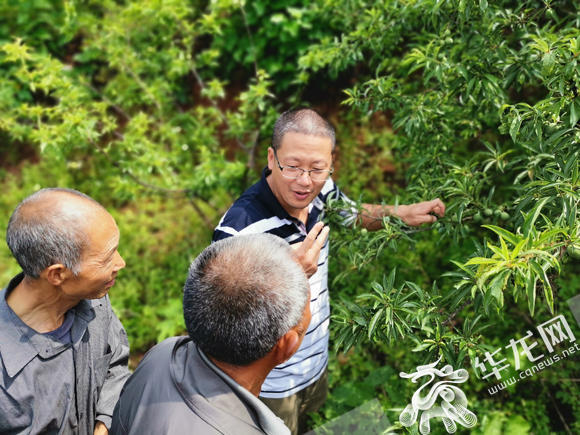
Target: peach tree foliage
<point>483,100</point>
<point>129,93</point>
<point>485,107</point>
<point>121,100</point>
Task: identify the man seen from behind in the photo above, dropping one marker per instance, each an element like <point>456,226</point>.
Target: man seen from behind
<point>246,310</point>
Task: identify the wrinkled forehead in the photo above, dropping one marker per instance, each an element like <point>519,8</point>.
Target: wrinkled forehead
<point>102,235</point>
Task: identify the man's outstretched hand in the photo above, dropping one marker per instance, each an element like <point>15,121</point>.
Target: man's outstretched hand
<point>306,253</point>
<point>420,212</point>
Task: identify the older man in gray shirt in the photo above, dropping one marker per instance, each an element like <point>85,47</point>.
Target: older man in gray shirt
<point>246,309</point>
<point>63,352</point>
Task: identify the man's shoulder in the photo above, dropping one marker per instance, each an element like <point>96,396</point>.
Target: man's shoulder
<point>163,349</point>
<point>156,360</point>
<point>250,204</point>
<point>153,372</point>
<point>248,209</point>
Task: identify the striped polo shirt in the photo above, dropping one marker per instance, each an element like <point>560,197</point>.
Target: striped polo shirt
<point>258,211</point>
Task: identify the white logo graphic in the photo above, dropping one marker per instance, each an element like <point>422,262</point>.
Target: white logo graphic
<point>453,405</point>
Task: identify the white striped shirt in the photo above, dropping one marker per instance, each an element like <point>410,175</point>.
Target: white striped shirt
<point>258,211</point>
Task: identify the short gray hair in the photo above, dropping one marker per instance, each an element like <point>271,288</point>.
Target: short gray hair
<point>39,240</point>
<point>305,121</point>
<point>241,295</point>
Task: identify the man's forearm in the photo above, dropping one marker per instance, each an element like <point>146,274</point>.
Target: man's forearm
<point>371,216</point>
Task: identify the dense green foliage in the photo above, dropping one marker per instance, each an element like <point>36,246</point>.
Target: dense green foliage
<point>162,111</point>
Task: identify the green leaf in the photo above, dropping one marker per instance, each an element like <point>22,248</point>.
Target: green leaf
<point>373,323</point>
<point>517,249</point>
<point>481,260</point>
<point>504,249</point>
<point>509,236</point>
<point>391,280</point>
<point>549,296</point>
<point>541,273</point>
<point>532,216</point>
<point>531,291</point>
<point>574,114</point>
<point>377,288</point>
<point>516,424</point>
<point>515,127</point>
<point>497,285</point>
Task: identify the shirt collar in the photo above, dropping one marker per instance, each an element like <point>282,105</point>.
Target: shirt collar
<point>19,343</point>
<point>268,421</point>
<point>267,197</point>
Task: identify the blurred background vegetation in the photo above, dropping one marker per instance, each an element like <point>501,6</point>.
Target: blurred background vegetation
<point>163,110</point>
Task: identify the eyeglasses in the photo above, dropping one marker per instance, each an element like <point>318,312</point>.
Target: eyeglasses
<point>294,172</point>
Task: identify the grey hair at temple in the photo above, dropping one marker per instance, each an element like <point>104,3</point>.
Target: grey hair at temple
<point>242,295</point>
<point>305,121</point>
<point>39,234</point>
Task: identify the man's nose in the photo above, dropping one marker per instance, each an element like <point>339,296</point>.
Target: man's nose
<point>120,263</point>
<point>304,178</point>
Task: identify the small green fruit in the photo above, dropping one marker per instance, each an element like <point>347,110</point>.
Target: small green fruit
<point>488,212</point>
<point>477,217</point>
<point>497,213</point>
<point>364,231</point>
<point>504,216</point>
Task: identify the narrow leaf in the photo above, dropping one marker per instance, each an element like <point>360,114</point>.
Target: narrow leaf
<point>391,280</point>
<point>574,114</point>
<point>480,260</point>
<point>515,127</point>
<point>373,323</point>
<point>532,216</point>
<point>509,236</point>
<point>531,291</point>
<point>547,287</point>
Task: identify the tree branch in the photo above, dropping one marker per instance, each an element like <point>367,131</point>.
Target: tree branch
<point>456,312</point>
<point>202,85</point>
<point>251,40</point>
<point>174,192</point>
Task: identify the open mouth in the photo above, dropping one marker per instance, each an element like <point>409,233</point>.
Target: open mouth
<point>301,195</point>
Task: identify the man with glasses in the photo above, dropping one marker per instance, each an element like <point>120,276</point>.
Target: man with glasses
<point>289,202</point>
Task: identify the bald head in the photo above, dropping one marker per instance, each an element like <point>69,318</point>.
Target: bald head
<point>304,121</point>
<point>241,295</point>
<point>50,227</point>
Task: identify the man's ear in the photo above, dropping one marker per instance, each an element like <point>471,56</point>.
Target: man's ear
<point>56,274</point>
<point>287,346</point>
<point>271,159</point>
